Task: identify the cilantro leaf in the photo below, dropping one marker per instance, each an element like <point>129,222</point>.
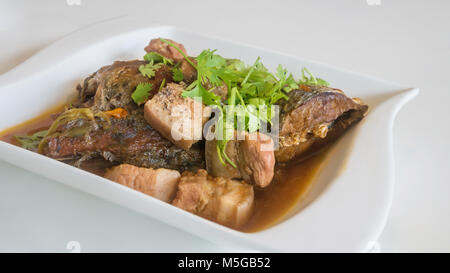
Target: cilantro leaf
<point>149,70</point>
<point>179,50</point>
<point>207,97</point>
<point>177,75</point>
<point>210,67</point>
<point>141,93</point>
<point>311,79</point>
<point>252,90</point>
<point>153,57</point>
<point>290,84</point>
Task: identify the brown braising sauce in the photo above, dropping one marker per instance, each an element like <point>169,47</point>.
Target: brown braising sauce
<point>290,183</point>
<point>39,123</point>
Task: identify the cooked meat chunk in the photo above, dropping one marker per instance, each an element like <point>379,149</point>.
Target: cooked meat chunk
<point>223,200</point>
<point>221,90</point>
<point>253,155</point>
<point>308,118</point>
<point>158,46</point>
<point>92,129</point>
<point>126,140</point>
<point>159,183</point>
<point>189,72</point>
<point>111,86</point>
<point>178,119</point>
<point>257,159</point>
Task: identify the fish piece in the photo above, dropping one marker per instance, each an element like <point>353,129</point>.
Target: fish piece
<point>111,86</point>
<point>126,140</point>
<point>312,117</point>
<point>228,202</point>
<point>159,183</point>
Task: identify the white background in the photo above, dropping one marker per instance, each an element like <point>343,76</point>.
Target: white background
<point>404,41</point>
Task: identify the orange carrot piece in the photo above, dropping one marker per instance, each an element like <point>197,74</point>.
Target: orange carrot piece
<point>117,113</point>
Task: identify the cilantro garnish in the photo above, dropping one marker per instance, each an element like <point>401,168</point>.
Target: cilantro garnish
<point>311,80</point>
<point>153,57</point>
<point>179,50</point>
<point>161,86</point>
<point>141,93</point>
<point>251,90</point>
<point>155,62</point>
<point>149,70</point>
<point>209,98</point>
<point>210,67</point>
<point>177,75</point>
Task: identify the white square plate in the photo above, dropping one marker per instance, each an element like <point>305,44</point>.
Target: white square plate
<point>346,208</point>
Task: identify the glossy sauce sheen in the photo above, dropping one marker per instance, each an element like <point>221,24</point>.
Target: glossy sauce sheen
<point>39,123</point>
<point>290,183</point>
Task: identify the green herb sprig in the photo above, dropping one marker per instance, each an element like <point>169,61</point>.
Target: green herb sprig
<point>251,89</point>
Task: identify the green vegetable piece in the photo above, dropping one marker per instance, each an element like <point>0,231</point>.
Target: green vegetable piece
<point>31,142</point>
<point>153,57</point>
<point>177,75</point>
<point>149,70</point>
<point>311,79</point>
<point>141,93</point>
<point>207,97</point>
<point>252,90</point>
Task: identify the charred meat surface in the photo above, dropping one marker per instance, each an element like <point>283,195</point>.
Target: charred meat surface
<point>111,86</point>
<point>178,119</point>
<point>95,127</point>
<point>219,199</point>
<point>127,140</point>
<point>253,155</point>
<point>309,115</point>
<point>159,183</point>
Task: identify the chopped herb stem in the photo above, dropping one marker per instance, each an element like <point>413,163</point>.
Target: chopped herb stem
<point>250,71</point>
<point>179,50</point>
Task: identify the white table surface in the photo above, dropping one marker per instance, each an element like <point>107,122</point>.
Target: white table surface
<point>404,41</point>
